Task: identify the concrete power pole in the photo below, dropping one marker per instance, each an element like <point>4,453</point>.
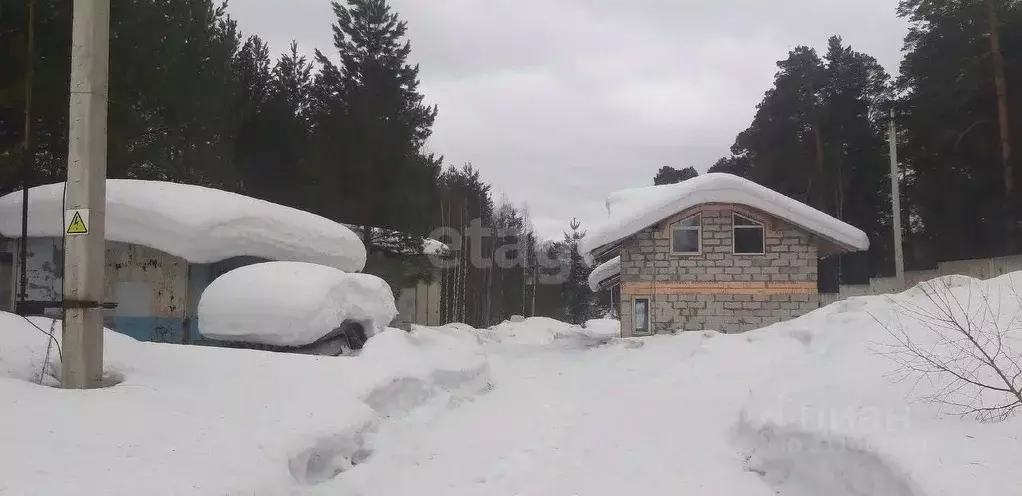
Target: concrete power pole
<point>899,258</point>
<point>84,230</point>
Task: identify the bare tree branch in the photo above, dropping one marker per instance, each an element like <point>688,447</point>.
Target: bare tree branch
<point>965,353</point>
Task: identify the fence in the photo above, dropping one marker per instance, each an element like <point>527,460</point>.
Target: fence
<point>985,268</point>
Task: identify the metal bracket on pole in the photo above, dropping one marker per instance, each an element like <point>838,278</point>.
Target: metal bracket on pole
<point>88,304</point>
<point>38,307</point>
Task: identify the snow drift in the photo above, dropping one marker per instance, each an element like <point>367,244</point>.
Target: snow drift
<point>544,331</point>
<point>801,408</point>
<point>202,420</point>
<point>848,416</point>
<point>201,225</point>
<point>292,304</point>
<point>635,209</point>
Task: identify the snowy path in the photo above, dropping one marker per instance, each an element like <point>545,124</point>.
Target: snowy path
<point>606,421</point>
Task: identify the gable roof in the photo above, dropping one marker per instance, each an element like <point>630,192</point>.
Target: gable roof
<point>633,210</point>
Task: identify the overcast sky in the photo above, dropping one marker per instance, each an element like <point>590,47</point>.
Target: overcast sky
<point>559,102</point>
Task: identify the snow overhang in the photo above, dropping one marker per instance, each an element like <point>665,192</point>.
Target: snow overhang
<point>633,210</point>
<point>605,275</point>
<point>198,224</point>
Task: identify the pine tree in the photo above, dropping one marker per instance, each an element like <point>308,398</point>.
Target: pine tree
<point>734,164</point>
<point>855,98</point>
<point>818,136</point>
<point>254,124</point>
<point>372,97</point>
<point>670,175</point>
<point>953,115</point>
<point>783,145</point>
<point>578,299</point>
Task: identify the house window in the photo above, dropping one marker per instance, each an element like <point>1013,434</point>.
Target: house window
<point>748,235</point>
<point>687,236</point>
<point>641,315</point>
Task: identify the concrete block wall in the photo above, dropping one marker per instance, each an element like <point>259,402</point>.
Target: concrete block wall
<point>717,289</point>
<point>981,268</point>
<point>790,254</point>
<point>729,313</point>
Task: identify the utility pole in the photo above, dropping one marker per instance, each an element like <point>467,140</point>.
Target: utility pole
<point>84,229</point>
<point>899,258</point>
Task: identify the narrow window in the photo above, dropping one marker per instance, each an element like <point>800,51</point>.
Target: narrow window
<point>641,315</point>
<point>687,236</point>
<point>748,236</point>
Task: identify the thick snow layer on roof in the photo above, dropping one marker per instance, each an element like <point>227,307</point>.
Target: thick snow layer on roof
<point>602,272</point>
<point>635,209</point>
<point>201,225</point>
<point>292,303</point>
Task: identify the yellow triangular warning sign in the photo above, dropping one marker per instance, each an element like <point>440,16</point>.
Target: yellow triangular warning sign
<point>77,225</point>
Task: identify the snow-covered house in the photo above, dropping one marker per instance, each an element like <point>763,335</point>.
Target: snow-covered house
<point>714,252</point>
<point>166,243</point>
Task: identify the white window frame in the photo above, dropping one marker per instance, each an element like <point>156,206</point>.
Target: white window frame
<point>649,319</point>
<point>699,232</point>
<point>759,225</point>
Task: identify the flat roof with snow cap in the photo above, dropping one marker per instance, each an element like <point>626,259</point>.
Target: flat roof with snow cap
<point>198,224</point>
<point>632,210</point>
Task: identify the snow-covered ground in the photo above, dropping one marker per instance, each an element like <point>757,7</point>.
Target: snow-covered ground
<point>529,407</point>
<point>196,420</point>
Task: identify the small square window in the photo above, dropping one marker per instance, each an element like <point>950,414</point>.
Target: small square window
<point>686,236</point>
<point>748,236</point>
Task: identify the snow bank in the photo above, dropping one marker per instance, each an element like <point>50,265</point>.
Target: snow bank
<point>199,420</point>
<point>843,417</point>
<point>546,332</point>
<point>603,328</point>
<point>635,209</point>
<point>201,225</point>
<point>292,303</point>
<point>403,370</point>
<point>604,271</point>
<point>533,331</point>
